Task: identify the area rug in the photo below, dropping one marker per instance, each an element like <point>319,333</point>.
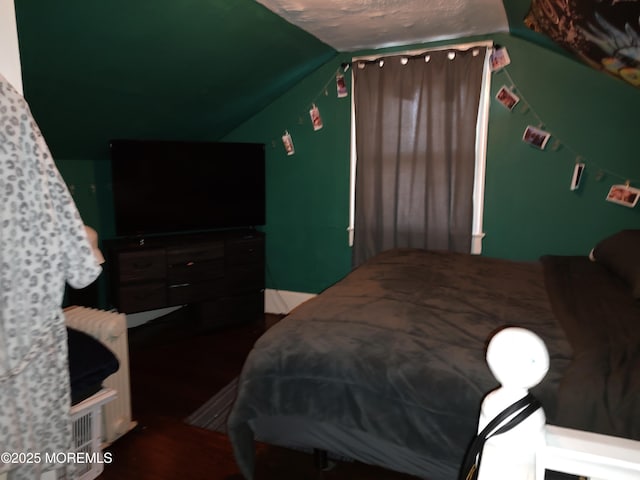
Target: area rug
<point>213,414</point>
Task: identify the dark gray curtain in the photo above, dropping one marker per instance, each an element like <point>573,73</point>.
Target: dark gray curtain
<point>415,143</point>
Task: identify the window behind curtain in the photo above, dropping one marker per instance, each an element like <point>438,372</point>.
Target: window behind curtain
<point>415,127</point>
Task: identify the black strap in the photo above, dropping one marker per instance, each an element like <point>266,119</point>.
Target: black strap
<point>527,404</point>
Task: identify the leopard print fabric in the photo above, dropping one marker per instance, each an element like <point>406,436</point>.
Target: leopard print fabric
<point>43,245</point>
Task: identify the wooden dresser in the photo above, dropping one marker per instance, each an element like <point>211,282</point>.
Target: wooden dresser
<point>220,274</point>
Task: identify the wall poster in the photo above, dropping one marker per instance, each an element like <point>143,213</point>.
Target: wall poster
<point>603,33</point>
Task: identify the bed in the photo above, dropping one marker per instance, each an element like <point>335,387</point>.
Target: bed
<point>388,365</point>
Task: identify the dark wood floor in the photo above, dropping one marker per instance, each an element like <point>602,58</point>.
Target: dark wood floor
<point>175,369</point>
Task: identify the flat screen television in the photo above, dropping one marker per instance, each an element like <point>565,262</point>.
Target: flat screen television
<point>162,186</point>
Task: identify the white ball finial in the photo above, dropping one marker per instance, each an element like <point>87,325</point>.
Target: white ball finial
<point>518,358</point>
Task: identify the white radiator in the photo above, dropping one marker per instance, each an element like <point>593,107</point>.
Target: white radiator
<point>111,329</point>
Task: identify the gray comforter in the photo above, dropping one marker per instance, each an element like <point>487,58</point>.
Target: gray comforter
<point>397,349</point>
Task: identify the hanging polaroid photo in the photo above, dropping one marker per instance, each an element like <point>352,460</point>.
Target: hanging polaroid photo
<point>316,120</point>
<point>577,176</point>
<point>536,137</point>
<point>499,58</point>
<point>623,195</point>
<point>341,86</point>
<point>288,143</point>
<point>507,98</point>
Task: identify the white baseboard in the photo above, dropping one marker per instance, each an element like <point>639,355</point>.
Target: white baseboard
<point>283,301</point>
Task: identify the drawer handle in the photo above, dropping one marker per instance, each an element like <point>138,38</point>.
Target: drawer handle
<point>179,285</point>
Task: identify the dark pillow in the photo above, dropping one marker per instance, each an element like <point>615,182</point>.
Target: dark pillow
<point>620,253</point>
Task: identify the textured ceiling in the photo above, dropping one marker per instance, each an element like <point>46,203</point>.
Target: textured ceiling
<point>349,25</point>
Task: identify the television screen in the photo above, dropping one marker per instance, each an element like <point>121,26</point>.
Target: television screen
<point>171,186</point>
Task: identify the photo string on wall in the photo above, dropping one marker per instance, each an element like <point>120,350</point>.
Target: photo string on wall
<point>314,112</point>
<point>511,98</point>
<point>538,136</point>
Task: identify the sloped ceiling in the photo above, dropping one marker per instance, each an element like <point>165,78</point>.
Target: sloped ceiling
<point>188,69</point>
<point>196,69</point>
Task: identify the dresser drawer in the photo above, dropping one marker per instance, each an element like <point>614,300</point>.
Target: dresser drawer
<point>141,297</point>
<point>194,292</point>
<point>224,270</point>
<point>195,271</point>
<point>245,250</point>
<point>244,278</point>
<point>195,252</point>
<point>141,265</point>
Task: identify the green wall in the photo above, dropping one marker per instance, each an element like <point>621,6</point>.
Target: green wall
<point>529,209</point>
<point>167,69</point>
<point>308,192</point>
